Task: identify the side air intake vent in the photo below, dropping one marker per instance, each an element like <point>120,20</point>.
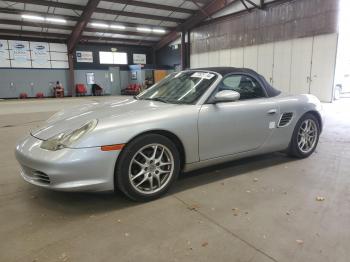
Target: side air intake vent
<point>285,119</point>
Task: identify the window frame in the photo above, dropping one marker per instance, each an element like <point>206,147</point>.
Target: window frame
<point>210,99</point>
<point>101,51</point>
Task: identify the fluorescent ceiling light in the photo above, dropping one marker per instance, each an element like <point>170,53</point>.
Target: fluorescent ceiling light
<point>100,25</point>
<point>33,17</point>
<point>144,29</point>
<point>56,20</point>
<point>159,31</point>
<point>121,27</point>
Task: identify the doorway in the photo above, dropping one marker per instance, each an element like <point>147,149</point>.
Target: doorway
<point>114,79</point>
<point>342,73</point>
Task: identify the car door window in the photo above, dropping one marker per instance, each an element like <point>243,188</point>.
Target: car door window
<point>246,86</point>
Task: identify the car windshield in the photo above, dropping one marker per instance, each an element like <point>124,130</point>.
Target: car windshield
<point>180,88</point>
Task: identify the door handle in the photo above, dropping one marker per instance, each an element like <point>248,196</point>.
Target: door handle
<point>272,111</point>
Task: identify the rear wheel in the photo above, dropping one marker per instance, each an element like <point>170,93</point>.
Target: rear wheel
<point>305,136</point>
<point>147,167</point>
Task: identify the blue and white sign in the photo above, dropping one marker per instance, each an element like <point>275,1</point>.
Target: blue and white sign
<point>4,54</point>
<point>19,53</point>
<point>40,55</point>
<point>84,57</point>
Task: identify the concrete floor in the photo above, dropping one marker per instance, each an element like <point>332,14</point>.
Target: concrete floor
<point>259,209</point>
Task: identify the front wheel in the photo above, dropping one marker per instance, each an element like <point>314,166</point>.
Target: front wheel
<point>147,167</point>
<point>305,136</point>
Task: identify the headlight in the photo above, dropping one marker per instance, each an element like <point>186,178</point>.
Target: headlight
<point>63,140</point>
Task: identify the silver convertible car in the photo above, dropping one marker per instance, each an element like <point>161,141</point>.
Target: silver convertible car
<point>189,120</point>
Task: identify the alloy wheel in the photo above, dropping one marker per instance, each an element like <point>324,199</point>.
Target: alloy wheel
<point>151,168</point>
<point>307,136</point>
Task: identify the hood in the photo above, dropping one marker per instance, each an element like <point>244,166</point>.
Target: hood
<point>75,117</point>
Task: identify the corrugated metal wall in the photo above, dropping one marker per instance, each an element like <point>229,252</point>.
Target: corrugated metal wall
<point>279,22</point>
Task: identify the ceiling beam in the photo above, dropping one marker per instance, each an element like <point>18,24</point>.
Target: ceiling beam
<point>118,32</point>
<point>20,12</point>
<point>35,24</point>
<point>139,15</point>
<point>253,4</point>
<point>114,39</point>
<point>81,24</point>
<point>153,6</point>
<point>74,18</point>
<point>262,4</point>
<point>199,1</point>
<point>99,10</point>
<point>211,8</point>
<point>35,34</point>
<point>32,33</point>
<point>245,4</point>
<point>44,24</point>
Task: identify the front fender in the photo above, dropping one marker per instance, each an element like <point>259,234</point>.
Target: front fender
<point>181,122</point>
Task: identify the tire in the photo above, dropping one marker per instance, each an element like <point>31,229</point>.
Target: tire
<point>147,167</point>
<point>299,138</point>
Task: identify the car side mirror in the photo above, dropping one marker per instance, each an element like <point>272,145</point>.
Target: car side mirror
<point>226,96</point>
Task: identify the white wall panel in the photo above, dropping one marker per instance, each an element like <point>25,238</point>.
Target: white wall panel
<point>4,54</point>
<point>59,64</point>
<point>194,60</point>
<point>59,56</point>
<point>323,65</point>
<point>282,65</point>
<point>40,55</point>
<point>237,57</point>
<point>301,65</point>
<point>224,57</point>
<point>20,54</point>
<point>251,57</point>
<point>58,47</point>
<point>214,58</point>
<point>298,66</point>
<point>203,60</point>
<point>265,61</point>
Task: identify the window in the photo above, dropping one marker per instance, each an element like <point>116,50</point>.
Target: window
<point>246,86</point>
<point>113,58</point>
<point>180,88</point>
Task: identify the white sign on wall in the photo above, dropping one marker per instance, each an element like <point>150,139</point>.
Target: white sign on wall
<point>19,53</point>
<point>84,57</point>
<point>90,78</point>
<point>139,58</point>
<point>4,54</point>
<point>40,55</point>
<point>25,54</point>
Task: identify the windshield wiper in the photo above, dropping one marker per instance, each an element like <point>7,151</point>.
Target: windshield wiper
<point>157,99</point>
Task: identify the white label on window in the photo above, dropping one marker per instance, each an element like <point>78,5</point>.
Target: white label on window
<point>203,75</point>
<point>272,125</point>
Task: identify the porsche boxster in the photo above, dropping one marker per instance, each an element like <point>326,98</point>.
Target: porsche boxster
<point>189,120</point>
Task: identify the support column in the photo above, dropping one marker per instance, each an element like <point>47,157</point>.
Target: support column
<point>188,49</point>
<point>154,58</point>
<point>70,87</point>
<point>183,51</point>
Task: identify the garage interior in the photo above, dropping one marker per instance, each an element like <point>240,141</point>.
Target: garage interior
<point>265,208</point>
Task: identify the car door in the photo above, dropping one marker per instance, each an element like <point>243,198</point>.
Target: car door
<point>233,127</point>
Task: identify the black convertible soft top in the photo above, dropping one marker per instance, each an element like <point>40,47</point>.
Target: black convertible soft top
<point>270,90</point>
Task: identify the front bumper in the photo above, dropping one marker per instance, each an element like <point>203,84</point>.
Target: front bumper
<point>84,169</point>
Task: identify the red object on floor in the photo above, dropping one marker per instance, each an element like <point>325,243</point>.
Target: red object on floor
<point>23,95</point>
<point>39,95</point>
<point>80,89</point>
<point>132,89</point>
